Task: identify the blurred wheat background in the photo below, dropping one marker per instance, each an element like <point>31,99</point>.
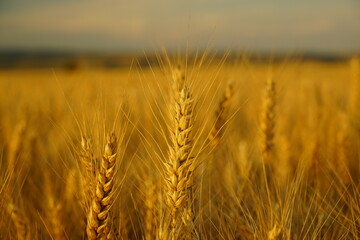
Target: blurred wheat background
<point>267,151</point>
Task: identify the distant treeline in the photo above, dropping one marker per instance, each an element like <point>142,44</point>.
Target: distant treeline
<point>73,61</point>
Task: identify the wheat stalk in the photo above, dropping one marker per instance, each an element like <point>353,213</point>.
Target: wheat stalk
<point>150,212</point>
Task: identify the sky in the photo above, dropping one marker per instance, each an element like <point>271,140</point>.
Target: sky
<point>119,25</point>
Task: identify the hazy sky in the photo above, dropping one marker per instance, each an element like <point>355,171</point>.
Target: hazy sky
<point>320,25</point>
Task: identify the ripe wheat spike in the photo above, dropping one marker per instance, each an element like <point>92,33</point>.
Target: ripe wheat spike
<point>267,123</point>
<point>221,116</point>
<point>20,222</point>
<point>179,167</point>
<point>99,219</point>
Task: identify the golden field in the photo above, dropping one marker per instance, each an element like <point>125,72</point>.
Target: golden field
<point>203,150</point>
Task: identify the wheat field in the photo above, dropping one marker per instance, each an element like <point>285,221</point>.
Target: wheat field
<point>197,148</point>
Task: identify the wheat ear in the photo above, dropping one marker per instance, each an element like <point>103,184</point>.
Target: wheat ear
<point>88,171</point>
<point>20,222</point>
<point>55,218</point>
<point>87,157</point>
<point>268,121</point>
<point>179,168</point>
<point>221,115</point>
<point>14,150</point>
<point>178,83</point>
<point>98,219</point>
